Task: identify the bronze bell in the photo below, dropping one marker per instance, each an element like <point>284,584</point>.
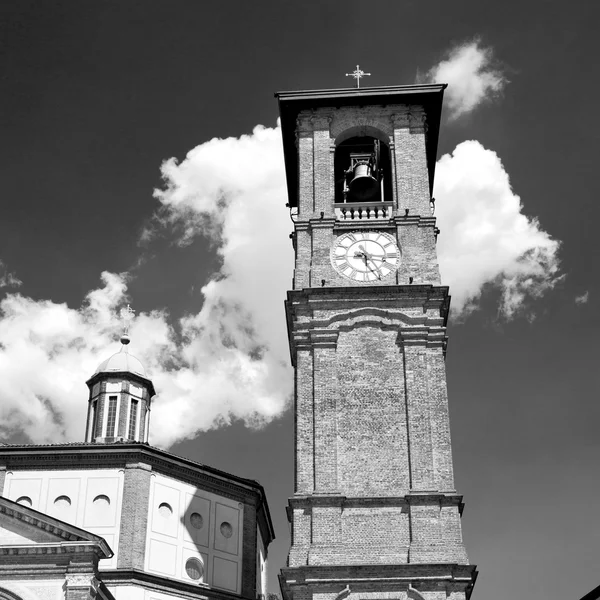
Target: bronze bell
<point>363,187</point>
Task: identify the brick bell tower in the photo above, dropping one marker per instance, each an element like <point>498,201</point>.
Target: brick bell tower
<point>375,514</point>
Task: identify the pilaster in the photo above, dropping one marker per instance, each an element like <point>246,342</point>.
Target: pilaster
<point>134,516</point>
<point>410,160</point>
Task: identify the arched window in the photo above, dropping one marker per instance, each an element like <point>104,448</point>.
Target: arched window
<point>362,170</point>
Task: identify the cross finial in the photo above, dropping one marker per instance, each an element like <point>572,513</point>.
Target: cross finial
<point>126,316</point>
<point>357,74</point>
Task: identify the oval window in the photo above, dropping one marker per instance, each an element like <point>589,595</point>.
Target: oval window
<point>194,569</point>
<point>24,501</point>
<point>165,510</point>
<point>62,502</point>
<point>101,501</point>
<point>196,520</point>
<point>226,529</point>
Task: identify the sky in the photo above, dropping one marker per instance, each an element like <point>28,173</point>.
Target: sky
<point>141,162</point>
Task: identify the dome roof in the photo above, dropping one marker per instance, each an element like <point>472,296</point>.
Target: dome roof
<point>122,361</point>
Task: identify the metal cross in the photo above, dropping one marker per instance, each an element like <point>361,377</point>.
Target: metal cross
<point>127,316</point>
<point>357,74</point>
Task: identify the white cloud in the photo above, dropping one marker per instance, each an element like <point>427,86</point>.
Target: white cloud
<point>485,238</point>
<point>47,352</point>
<point>583,299</point>
<point>8,279</point>
<point>471,76</point>
<point>231,359</point>
<point>236,352</point>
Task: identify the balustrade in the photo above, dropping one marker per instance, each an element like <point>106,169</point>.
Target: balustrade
<point>363,211</point>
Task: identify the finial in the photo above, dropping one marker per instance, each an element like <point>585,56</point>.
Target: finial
<point>357,74</point>
<point>126,316</point>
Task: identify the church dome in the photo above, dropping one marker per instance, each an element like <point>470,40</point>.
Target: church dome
<point>122,361</point>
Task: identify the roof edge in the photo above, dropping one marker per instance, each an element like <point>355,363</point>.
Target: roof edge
<point>366,91</point>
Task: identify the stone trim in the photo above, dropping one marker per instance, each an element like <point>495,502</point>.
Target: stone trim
<point>411,498</point>
<point>426,576</point>
<point>306,333</point>
<point>418,220</point>
<point>58,547</point>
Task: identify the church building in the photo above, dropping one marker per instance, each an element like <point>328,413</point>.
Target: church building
<point>114,518</point>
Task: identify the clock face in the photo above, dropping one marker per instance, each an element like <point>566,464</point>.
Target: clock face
<point>365,256</point>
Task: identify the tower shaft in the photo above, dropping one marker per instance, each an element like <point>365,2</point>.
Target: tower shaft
<point>375,508</point>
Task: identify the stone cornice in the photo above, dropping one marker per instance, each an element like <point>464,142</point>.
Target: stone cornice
<point>417,312</point>
<point>418,220</point>
<point>411,498</point>
<point>54,548</point>
<point>426,577</point>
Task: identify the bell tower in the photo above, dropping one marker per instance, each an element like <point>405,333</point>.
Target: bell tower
<point>375,513</point>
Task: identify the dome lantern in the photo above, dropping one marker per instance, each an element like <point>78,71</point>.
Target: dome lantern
<point>120,397</point>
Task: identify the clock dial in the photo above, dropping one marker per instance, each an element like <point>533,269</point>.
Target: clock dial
<point>365,256</point>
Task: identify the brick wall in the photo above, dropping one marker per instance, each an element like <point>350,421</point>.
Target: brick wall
<point>134,516</point>
<point>373,472</point>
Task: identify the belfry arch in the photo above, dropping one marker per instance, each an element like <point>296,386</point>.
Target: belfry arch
<point>363,170</point>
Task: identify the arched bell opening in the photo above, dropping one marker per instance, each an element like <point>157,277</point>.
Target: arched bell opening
<point>362,169</point>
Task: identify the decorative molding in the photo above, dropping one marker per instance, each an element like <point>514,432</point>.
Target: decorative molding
<point>311,121</point>
<point>417,119</point>
<point>82,580</point>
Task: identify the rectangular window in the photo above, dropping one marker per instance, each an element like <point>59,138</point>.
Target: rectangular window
<point>132,419</point>
<point>112,416</point>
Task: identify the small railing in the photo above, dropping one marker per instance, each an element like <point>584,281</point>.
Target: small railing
<point>363,211</point>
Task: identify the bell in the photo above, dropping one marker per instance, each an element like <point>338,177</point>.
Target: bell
<point>363,187</point>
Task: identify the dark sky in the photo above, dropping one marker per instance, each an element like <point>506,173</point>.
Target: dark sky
<point>95,95</point>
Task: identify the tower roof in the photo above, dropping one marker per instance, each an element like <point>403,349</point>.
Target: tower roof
<point>122,361</point>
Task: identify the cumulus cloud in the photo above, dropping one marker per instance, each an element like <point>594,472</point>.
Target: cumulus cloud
<point>236,355</point>
<point>583,299</point>
<point>229,360</point>
<point>472,78</point>
<point>47,351</point>
<point>486,239</point>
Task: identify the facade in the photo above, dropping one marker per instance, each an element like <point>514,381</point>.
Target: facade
<point>375,513</point>
<point>117,519</point>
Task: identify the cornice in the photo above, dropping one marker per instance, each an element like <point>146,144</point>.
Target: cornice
<point>54,548</point>
<point>409,499</point>
<point>425,576</point>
